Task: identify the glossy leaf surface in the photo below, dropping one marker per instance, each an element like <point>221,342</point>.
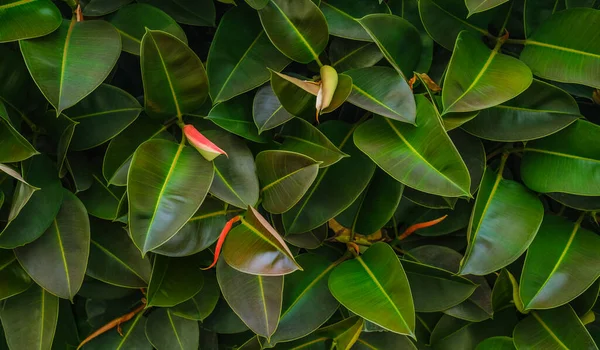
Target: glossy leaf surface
<point>342,17</point>
<point>554,272</point>
<point>373,279</point>
<point>174,280</point>
<point>28,19</point>
<point>491,222</point>
<point>167,331</point>
<point>421,167</point>
<point>166,185</point>
<point>58,259</point>
<point>297,28</point>
<point>57,60</point>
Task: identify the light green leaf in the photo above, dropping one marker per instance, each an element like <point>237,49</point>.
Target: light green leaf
<point>73,61</point>
<point>476,6</point>
<point>560,264</point>
<point>28,19</point>
<point>553,53</point>
<point>478,78</point>
<point>504,222</point>
<point>58,259</point>
<point>545,160</point>
<point>414,163</point>
<point>376,278</point>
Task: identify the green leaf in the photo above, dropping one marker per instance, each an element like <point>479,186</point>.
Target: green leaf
<point>201,305</point>
<point>175,82</point>
<point>445,19</point>
<point>336,187</point>
<point>472,152</point>
<point>13,146</point>
<point>312,239</point>
<point>584,303</point>
<point>21,196</point>
<point>223,320</point>
<point>58,259</point>
<point>101,200</point>
<point>119,152</point>
<point>383,341</point>
<point>496,343</point>
<point>478,78</point>
<point>398,40</point>
<point>545,160</point>
<point>583,203</point>
<point>297,28</point>
<point>73,61</point>
<point>174,280</point>
<point>552,53</point>
<point>302,137</point>
<point>29,319</point>
<point>307,302</point>
<point>350,54</point>
<point>505,220</point>
<point>235,179</point>
<point>376,278</point>
<point>28,19</point>
<point>435,289</point>
<point>267,111</point>
<point>406,152</point>
<point>285,178</point>
<point>262,314</point>
<point>559,264</point>
<point>114,259</point>
<point>101,7</point>
<point>235,116</point>
<point>132,20</point>
<point>539,111</point>
<point>192,12</point>
<point>476,6</point>
<point>343,17</point>
<point>254,247</point>
<point>134,337</point>
<point>101,116</point>
<point>375,207</point>
<point>41,209</point>
<point>167,331</point>
<point>558,328</point>
<point>382,91</point>
<point>241,55</point>
<point>257,4</point>
<point>200,232</point>
<point>293,96</point>
<point>166,185</point>
<point>13,279</point>
<point>341,335</point>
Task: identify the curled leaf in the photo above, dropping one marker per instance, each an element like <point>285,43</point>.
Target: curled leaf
<point>206,148</point>
<point>329,81</point>
<point>221,239</point>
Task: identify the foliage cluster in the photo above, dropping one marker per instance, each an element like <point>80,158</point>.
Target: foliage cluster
<point>363,174</point>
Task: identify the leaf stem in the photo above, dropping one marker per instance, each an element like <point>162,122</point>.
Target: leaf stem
<point>503,163</point>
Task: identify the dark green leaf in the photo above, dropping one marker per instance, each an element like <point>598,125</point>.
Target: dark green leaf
<point>28,19</point>
<point>192,12</point>
<point>13,279</point>
<point>201,305</point>
<point>174,280</point>
<point>343,17</point>
<point>169,332</point>
<point>235,116</point>
<point>267,111</point>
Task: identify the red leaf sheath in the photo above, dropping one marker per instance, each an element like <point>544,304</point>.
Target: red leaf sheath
<point>222,236</point>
